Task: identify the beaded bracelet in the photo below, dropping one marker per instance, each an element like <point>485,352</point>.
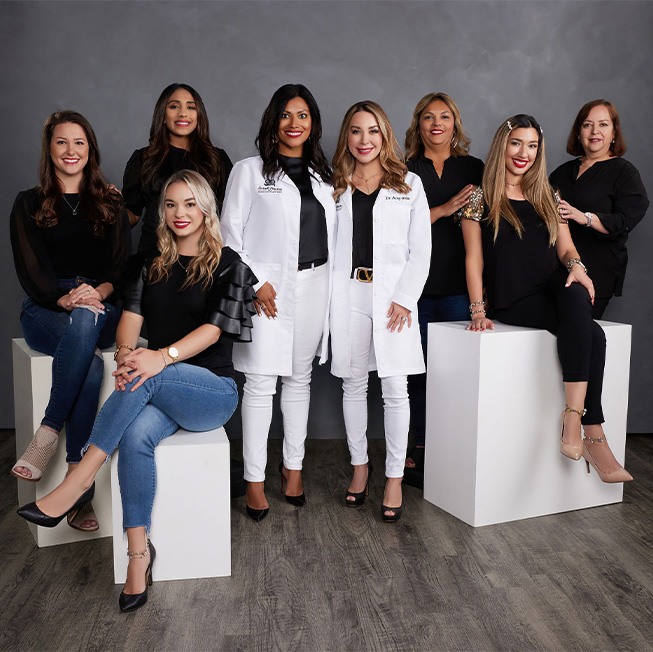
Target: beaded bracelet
<point>576,261</point>
<point>475,312</point>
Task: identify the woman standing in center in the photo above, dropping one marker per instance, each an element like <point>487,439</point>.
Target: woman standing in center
<point>279,215</point>
<point>382,259</point>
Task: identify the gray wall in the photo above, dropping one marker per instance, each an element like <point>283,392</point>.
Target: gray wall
<point>110,60</point>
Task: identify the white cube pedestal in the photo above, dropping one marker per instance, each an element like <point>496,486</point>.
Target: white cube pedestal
<point>493,414</point>
<point>32,384</point>
<point>191,517</point>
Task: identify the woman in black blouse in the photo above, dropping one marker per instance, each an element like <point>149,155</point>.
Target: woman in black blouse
<point>70,238</point>
<point>534,277</point>
<point>437,150</point>
<point>603,197</point>
<point>179,139</point>
<point>195,297</point>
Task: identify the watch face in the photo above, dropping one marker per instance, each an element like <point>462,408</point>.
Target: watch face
<point>173,353</point>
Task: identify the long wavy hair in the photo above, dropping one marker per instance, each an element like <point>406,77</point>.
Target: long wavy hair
<point>201,154</point>
<point>201,268</point>
<point>100,202</point>
<point>535,184</point>
<point>618,144</point>
<point>415,145</point>
<point>390,156</point>
<point>267,141</point>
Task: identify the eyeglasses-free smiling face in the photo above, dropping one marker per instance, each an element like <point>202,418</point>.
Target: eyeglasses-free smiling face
<point>183,217</point>
<point>597,133</point>
<point>181,117</point>
<point>364,139</point>
<point>436,125</point>
<point>69,150</point>
<point>294,127</point>
<point>521,152</point>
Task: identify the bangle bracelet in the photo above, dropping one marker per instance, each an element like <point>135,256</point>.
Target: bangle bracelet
<point>476,303</point>
<point>163,355</point>
<point>575,261</point>
<point>588,217</point>
<point>121,346</point>
<point>475,312</point>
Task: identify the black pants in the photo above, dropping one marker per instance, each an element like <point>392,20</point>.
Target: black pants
<point>567,313</point>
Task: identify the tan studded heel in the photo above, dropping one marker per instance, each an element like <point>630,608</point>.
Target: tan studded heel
<point>571,451</point>
<point>618,475</point>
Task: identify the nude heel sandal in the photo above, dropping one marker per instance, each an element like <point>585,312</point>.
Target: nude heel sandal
<point>571,451</point>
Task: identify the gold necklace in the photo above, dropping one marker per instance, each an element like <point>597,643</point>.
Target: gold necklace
<point>367,181</point>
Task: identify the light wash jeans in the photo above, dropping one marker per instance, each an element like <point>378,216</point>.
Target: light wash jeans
<point>182,395</point>
<point>71,338</point>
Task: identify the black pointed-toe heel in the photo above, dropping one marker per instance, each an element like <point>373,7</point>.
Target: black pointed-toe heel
<point>359,496</point>
<point>256,514</point>
<point>297,501</point>
<point>33,514</point>
<point>132,601</point>
<point>390,518</point>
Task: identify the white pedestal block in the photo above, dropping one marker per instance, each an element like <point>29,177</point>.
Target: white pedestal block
<point>191,517</point>
<point>32,383</point>
<point>493,412</point>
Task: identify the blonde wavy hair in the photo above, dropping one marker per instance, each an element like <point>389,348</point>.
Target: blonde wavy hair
<point>535,184</point>
<point>390,157</point>
<point>414,143</point>
<point>201,268</point>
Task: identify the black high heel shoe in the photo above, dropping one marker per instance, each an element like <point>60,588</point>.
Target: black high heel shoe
<point>256,514</point>
<point>297,501</point>
<point>33,514</point>
<point>359,496</point>
<point>390,518</point>
<point>132,601</point>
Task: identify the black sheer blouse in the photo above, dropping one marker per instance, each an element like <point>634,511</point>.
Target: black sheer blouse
<point>43,255</point>
<point>171,312</point>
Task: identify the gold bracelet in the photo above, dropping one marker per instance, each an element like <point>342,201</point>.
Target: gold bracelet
<point>121,346</point>
<point>163,355</point>
<point>475,312</point>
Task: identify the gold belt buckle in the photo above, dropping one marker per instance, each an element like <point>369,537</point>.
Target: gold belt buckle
<point>364,274</point>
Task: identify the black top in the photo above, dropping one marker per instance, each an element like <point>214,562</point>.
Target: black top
<point>612,190</point>
<point>362,205</point>
<point>138,197</point>
<point>313,239</point>
<point>447,270</point>
<point>514,267</point>
<point>171,313</point>
<point>43,255</point>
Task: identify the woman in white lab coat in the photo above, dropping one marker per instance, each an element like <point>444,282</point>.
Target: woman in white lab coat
<point>382,258</point>
<point>279,216</point>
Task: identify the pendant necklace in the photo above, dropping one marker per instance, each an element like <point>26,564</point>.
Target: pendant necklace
<point>74,210</point>
<point>180,265</point>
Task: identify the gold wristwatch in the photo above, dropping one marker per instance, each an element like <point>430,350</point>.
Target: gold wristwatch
<point>173,353</point>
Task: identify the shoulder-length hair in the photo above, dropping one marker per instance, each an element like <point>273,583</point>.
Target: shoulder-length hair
<point>201,156</point>
<point>101,203</point>
<point>618,144</point>
<point>535,184</point>
<point>267,141</point>
<point>201,268</point>
<point>414,143</point>
<point>390,157</point>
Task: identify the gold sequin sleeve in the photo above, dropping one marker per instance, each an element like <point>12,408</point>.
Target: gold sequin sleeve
<point>475,207</point>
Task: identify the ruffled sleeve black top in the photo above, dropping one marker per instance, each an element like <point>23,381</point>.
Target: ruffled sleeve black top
<point>612,190</point>
<point>171,313</point>
<point>69,249</point>
<point>515,267</point>
<point>447,271</point>
<point>145,200</point>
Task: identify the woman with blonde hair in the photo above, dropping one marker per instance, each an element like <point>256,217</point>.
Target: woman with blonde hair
<point>381,262</point>
<point>196,297</point>
<point>437,150</point>
<point>520,249</point>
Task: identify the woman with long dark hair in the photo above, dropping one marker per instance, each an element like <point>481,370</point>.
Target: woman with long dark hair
<point>179,140</point>
<point>437,150</point>
<point>279,215</point>
<point>70,238</point>
<point>195,297</point>
<point>382,257</point>
<point>520,248</point>
<point>603,197</point>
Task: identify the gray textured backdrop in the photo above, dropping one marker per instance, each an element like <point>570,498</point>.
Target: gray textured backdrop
<point>110,61</point>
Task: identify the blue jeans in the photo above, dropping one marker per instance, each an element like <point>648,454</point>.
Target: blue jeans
<point>182,395</point>
<point>454,307</point>
<point>71,338</point>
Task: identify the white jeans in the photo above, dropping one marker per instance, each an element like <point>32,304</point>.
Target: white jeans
<point>396,409</point>
<point>311,297</point>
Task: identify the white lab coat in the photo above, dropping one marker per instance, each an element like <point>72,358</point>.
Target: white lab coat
<point>401,258</point>
<point>260,221</point>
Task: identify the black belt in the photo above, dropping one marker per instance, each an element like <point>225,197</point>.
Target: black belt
<point>312,265</point>
<point>362,274</point>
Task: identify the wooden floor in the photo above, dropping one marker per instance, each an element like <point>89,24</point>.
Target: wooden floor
<point>324,577</point>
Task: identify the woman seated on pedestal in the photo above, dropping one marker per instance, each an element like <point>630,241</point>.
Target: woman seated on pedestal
<point>195,296</point>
